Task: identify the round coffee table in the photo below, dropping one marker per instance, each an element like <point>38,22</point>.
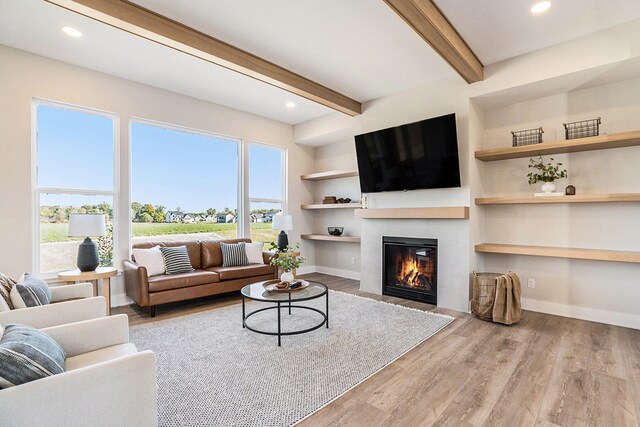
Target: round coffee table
<point>257,292</point>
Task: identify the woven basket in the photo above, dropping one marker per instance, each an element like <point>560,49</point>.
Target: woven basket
<point>484,294</point>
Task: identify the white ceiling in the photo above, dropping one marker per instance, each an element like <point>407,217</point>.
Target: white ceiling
<point>360,48</point>
<point>501,29</point>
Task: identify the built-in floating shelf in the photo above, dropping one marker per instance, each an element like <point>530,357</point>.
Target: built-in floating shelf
<point>319,176</point>
<point>451,212</point>
<point>332,206</point>
<point>549,251</point>
<point>329,238</point>
<point>583,198</point>
<point>601,142</point>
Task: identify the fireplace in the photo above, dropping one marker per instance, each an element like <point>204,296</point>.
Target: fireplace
<point>410,268</point>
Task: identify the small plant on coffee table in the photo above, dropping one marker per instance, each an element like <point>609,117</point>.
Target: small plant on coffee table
<point>285,259</point>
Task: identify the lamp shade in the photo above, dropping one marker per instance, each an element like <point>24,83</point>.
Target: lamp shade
<point>86,225</point>
<point>282,222</point>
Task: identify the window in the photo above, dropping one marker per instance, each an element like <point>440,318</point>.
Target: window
<point>266,190</point>
<point>184,184</point>
<point>75,172</point>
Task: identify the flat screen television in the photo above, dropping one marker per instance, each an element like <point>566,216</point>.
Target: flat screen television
<point>413,156</point>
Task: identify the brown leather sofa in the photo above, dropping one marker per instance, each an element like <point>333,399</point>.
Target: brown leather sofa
<point>208,278</point>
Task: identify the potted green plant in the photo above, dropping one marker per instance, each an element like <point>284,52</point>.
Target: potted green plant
<point>547,173</point>
<point>287,259</point>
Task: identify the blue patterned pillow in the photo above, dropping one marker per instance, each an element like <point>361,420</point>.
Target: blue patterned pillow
<point>28,354</point>
<point>30,292</point>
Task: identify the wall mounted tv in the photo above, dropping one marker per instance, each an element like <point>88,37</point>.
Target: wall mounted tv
<point>409,157</point>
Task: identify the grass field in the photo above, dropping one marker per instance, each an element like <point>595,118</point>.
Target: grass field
<point>51,233</point>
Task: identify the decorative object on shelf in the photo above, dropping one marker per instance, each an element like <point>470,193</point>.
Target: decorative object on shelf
<point>582,129</point>
<point>283,223</point>
<point>87,226</point>
<point>546,173</point>
<point>364,201</point>
<point>570,190</point>
<point>344,200</point>
<point>287,259</point>
<point>335,231</point>
<point>527,137</point>
<point>329,200</point>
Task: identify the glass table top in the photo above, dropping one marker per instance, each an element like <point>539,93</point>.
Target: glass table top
<point>256,291</point>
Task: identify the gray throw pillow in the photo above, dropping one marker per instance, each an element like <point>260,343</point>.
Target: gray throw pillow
<point>28,354</point>
<point>176,259</point>
<point>233,254</point>
<point>31,292</point>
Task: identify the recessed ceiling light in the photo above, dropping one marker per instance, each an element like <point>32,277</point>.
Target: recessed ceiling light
<point>290,104</point>
<point>540,7</point>
<point>73,32</point>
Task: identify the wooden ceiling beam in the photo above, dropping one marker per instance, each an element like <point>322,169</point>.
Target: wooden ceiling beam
<point>433,26</point>
<point>142,22</point>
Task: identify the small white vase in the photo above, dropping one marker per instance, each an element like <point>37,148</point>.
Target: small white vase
<point>287,276</point>
<point>548,187</point>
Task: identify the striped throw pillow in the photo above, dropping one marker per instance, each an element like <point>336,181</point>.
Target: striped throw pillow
<point>233,254</point>
<point>30,292</point>
<point>176,260</point>
<point>28,354</point>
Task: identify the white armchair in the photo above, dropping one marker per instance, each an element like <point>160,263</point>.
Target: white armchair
<point>60,313</point>
<point>106,382</point>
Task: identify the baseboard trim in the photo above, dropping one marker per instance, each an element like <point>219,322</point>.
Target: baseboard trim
<point>347,274</point>
<point>583,313</point>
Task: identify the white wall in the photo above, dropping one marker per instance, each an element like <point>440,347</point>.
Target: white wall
<point>602,291</point>
<point>24,76</point>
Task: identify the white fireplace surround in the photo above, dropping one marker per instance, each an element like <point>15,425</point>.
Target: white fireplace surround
<point>453,255</point>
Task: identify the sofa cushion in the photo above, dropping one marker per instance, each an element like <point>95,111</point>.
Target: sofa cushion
<point>98,356</point>
<point>182,280</point>
<point>212,254</point>
<point>243,271</point>
<point>233,254</point>
<point>254,252</point>
<point>28,354</point>
<point>176,260</point>
<point>193,247</point>
<point>151,259</point>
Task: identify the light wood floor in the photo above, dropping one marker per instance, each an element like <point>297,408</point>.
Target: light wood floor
<point>546,370</point>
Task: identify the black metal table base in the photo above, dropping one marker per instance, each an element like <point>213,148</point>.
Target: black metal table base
<point>285,304</point>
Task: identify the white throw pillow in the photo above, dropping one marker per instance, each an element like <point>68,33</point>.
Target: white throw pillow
<point>254,252</point>
<point>151,259</point>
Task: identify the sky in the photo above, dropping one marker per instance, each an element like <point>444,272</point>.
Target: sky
<point>169,167</point>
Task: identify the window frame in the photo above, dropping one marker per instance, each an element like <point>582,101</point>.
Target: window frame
<point>201,132</point>
<point>284,205</point>
<point>37,190</point>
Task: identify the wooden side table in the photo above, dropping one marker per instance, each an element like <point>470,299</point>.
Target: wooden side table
<point>100,273</point>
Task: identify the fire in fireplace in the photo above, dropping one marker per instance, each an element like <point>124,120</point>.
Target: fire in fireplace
<point>410,268</point>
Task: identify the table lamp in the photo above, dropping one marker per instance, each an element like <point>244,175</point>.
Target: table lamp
<point>284,223</point>
<point>87,225</point>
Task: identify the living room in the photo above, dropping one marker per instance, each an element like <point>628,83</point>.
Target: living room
<point>144,121</point>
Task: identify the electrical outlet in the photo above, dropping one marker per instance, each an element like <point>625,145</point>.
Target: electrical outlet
<point>353,260</point>
<point>531,282</point>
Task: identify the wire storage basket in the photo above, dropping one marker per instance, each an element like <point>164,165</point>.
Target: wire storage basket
<point>582,129</point>
<point>527,137</point>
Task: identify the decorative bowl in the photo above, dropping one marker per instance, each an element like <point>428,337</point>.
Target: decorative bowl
<point>335,231</point>
<point>344,200</point>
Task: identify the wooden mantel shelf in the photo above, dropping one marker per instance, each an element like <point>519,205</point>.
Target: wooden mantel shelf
<point>319,176</point>
<point>601,142</point>
<point>556,252</point>
<point>581,198</point>
<point>331,206</point>
<point>452,212</point>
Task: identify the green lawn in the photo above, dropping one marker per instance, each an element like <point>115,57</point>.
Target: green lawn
<point>260,232</point>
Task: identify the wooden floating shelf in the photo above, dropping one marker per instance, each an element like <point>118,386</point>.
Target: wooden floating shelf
<point>583,198</point>
<point>332,206</point>
<point>319,176</point>
<point>549,251</point>
<point>453,212</point>
<point>329,238</point>
<point>601,142</point>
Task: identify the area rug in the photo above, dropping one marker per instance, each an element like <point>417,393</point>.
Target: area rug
<point>212,372</point>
